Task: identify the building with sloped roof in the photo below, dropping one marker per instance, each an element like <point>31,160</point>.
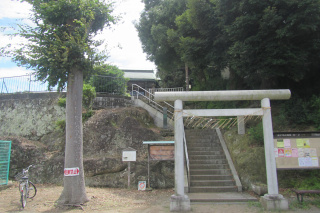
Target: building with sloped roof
<point>144,78</point>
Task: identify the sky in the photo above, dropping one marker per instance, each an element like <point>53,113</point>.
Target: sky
<point>123,44</point>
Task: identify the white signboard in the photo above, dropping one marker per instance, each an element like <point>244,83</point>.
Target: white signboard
<point>71,171</point>
<point>129,155</point>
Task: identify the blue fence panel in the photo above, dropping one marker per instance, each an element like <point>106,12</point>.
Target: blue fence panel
<point>5,151</point>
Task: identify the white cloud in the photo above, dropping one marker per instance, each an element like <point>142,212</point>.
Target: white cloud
<point>130,56</point>
<point>14,9</point>
<point>13,71</point>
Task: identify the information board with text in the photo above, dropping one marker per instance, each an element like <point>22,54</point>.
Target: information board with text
<point>297,153</point>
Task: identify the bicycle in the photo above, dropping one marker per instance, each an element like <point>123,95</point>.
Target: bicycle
<point>27,188</point>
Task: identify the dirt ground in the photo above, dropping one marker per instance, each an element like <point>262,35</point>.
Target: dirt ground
<point>115,200</point>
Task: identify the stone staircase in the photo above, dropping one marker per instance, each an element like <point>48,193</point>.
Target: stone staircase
<point>209,168</point>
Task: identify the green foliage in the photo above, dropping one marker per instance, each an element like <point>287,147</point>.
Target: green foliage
<point>61,125</point>
<point>153,28</point>
<point>314,114</point>
<point>89,94</point>
<point>256,134</point>
<point>296,110</point>
<point>62,102</point>
<point>309,182</point>
<point>300,111</point>
<point>86,115</point>
<point>297,205</point>
<point>109,78</point>
<point>88,97</point>
<point>264,44</point>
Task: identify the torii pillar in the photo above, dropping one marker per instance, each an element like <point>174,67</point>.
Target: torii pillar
<point>270,201</point>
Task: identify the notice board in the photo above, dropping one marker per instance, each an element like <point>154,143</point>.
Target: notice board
<point>158,152</point>
<point>297,150</point>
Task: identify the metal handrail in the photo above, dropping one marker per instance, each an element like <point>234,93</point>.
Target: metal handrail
<point>150,98</point>
<point>187,158</point>
<point>153,90</point>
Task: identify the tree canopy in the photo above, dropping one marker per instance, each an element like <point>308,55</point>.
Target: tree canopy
<point>259,44</point>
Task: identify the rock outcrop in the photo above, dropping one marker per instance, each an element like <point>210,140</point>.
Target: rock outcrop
<point>106,134</point>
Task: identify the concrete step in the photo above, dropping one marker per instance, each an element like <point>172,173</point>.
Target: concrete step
<point>205,153</point>
<point>203,149</point>
<point>208,161</point>
<point>201,140</point>
<point>209,166</point>
<point>203,136</point>
<point>211,177</point>
<point>206,157</point>
<point>229,197</point>
<point>203,144</point>
<point>210,183</point>
<point>210,189</point>
<point>210,172</point>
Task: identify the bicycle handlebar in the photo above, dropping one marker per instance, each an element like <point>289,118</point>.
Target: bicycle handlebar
<point>26,170</point>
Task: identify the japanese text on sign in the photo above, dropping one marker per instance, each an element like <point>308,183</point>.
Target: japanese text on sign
<point>71,171</point>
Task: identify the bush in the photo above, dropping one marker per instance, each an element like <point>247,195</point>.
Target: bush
<point>87,115</point>
<point>62,102</point>
<point>314,115</point>
<point>61,125</point>
<point>109,79</point>
<point>256,134</point>
<point>89,93</point>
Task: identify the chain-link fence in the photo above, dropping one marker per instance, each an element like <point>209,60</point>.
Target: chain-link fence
<point>20,84</point>
<point>29,83</point>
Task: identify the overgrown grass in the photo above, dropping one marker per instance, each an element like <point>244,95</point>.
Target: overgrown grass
<point>296,205</point>
<point>61,125</point>
<point>256,205</point>
<point>256,134</point>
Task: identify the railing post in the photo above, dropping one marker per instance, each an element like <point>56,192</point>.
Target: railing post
<point>2,85</point>
<point>30,82</point>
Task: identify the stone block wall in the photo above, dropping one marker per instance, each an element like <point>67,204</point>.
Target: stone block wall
<point>33,115</point>
<point>29,115</point>
<point>103,102</point>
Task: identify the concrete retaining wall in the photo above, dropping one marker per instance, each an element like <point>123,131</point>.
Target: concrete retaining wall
<point>156,115</point>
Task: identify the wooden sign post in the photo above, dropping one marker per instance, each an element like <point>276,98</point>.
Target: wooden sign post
<point>159,150</point>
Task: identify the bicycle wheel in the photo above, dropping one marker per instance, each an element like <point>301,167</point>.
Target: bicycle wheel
<point>23,192</point>
<point>32,190</point>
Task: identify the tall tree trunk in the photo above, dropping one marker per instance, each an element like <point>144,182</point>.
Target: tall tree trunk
<point>74,191</point>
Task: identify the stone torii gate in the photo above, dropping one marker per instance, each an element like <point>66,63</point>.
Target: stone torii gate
<point>180,201</point>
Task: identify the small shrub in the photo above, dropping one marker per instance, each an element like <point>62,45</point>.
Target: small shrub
<point>61,125</point>
<point>314,115</point>
<point>256,134</point>
<point>89,93</point>
<point>310,182</point>
<point>87,115</point>
<point>62,102</point>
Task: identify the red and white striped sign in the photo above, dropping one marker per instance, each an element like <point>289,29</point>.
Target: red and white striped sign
<point>71,171</point>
